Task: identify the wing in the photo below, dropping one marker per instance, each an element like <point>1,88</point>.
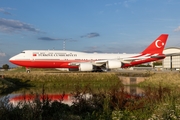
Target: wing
<point>103,62</point>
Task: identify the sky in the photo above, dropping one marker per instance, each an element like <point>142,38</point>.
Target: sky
<point>108,26</point>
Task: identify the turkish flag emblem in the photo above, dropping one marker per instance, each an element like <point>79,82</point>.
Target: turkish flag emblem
<point>34,54</point>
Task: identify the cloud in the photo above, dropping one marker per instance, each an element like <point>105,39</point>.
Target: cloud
<point>2,54</point>
<point>91,35</point>
<point>125,3</point>
<point>48,39</point>
<point>54,39</point>
<point>113,4</point>
<point>177,29</point>
<point>10,26</point>
<point>4,11</point>
<point>93,49</point>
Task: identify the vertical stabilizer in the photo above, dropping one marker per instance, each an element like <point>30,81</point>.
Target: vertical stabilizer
<point>157,46</point>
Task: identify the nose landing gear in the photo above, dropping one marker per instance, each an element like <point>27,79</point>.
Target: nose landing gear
<point>28,70</point>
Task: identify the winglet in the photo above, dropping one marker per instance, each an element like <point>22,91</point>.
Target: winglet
<point>157,46</point>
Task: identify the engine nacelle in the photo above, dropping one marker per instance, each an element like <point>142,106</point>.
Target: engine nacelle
<point>113,64</point>
<point>85,67</point>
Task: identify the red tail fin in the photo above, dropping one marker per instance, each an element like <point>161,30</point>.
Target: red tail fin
<point>157,46</point>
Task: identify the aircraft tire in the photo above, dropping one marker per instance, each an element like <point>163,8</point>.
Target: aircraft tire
<point>28,71</point>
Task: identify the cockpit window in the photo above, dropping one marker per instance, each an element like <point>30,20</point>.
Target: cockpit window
<point>23,52</point>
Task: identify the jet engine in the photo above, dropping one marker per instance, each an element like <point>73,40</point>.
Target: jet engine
<point>85,67</point>
<point>113,64</point>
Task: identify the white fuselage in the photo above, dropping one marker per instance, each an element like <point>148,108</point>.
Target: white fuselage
<point>61,59</point>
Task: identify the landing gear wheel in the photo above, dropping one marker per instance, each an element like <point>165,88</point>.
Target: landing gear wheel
<point>28,71</point>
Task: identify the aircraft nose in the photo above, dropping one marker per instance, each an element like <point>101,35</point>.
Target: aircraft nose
<point>11,59</point>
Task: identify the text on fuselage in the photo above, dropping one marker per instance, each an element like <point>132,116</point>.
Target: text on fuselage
<point>54,54</point>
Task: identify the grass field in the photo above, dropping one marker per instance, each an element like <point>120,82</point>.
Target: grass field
<point>56,81</point>
<point>161,97</point>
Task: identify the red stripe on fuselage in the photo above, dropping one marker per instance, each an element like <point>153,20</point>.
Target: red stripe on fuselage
<point>141,62</point>
<point>45,63</point>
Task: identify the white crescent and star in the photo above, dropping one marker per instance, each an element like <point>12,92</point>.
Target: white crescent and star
<point>160,44</point>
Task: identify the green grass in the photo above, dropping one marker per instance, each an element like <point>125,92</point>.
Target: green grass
<point>62,81</point>
<point>170,80</point>
<point>109,102</point>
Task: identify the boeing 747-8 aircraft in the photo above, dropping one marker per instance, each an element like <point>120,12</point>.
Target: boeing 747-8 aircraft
<point>89,61</point>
